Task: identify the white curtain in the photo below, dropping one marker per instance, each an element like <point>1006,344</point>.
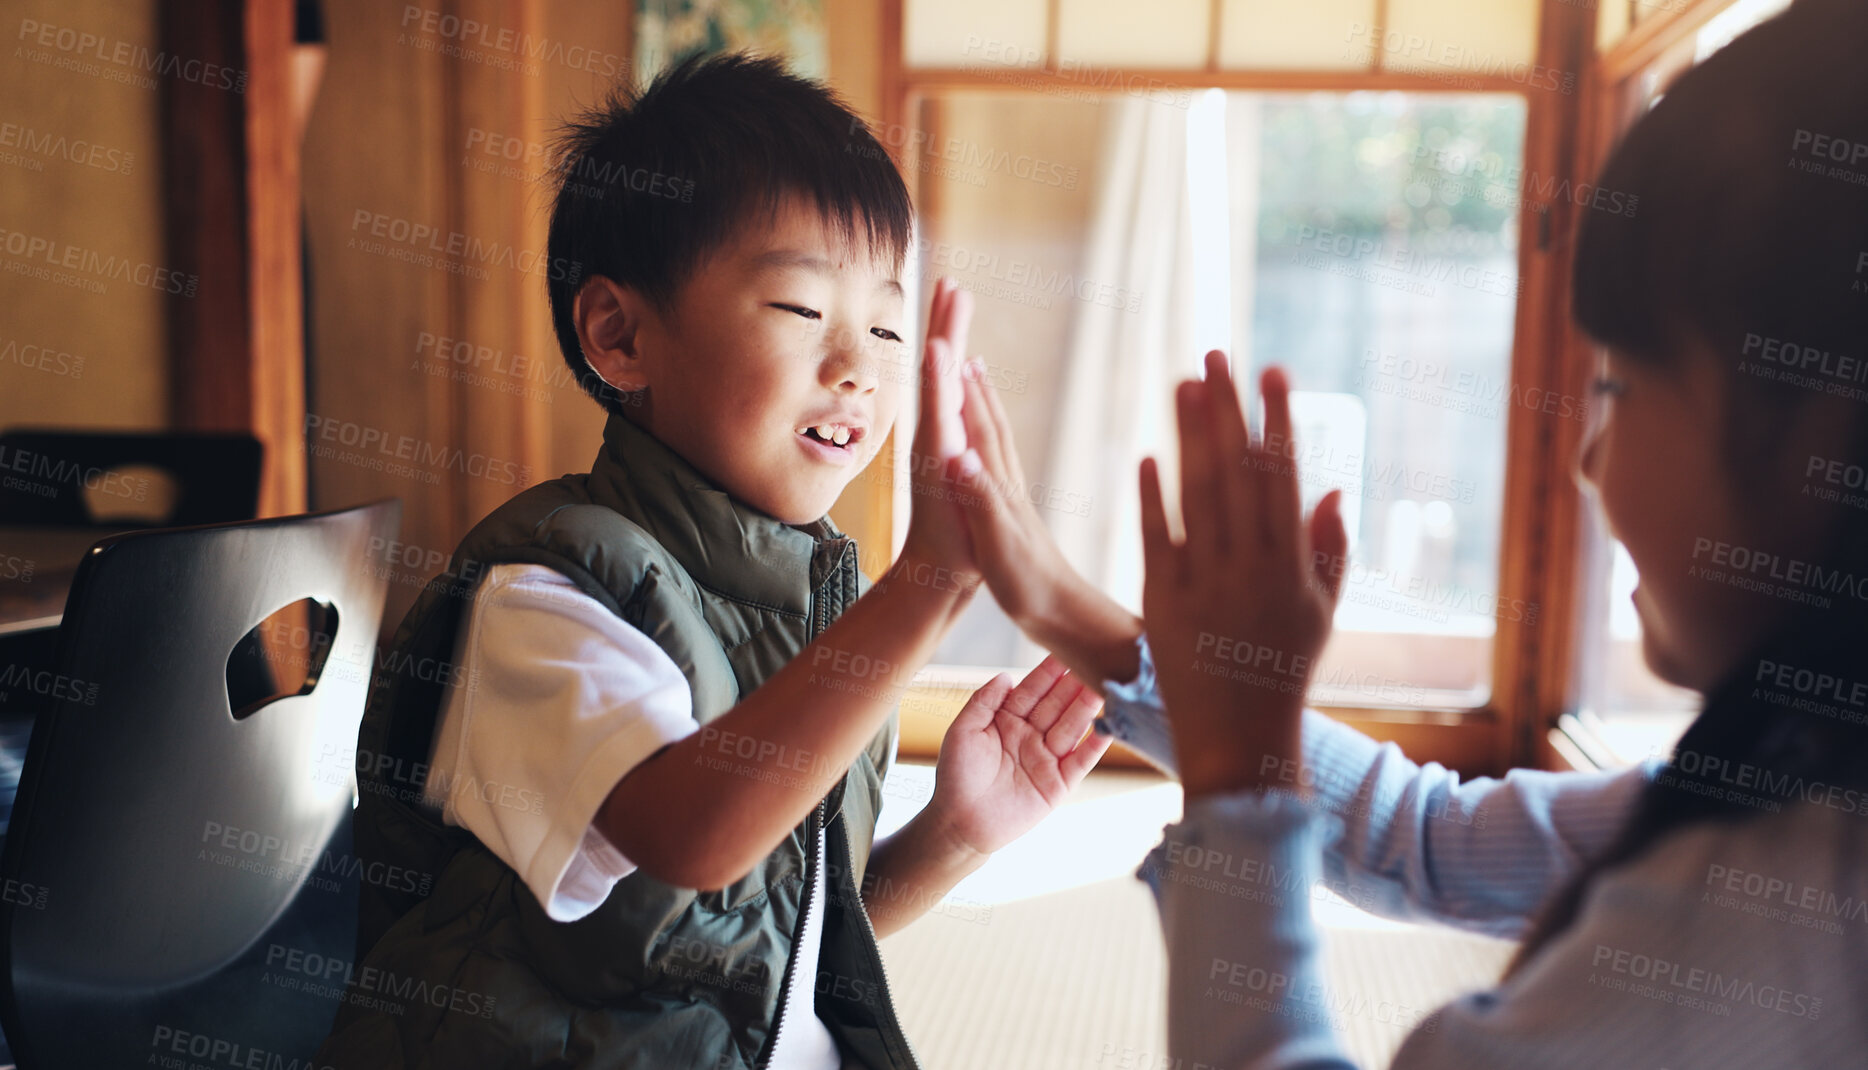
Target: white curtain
<point>1115,402</point>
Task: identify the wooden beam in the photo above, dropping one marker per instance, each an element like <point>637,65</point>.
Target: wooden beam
<point>1143,80</point>
<point>232,215</point>
<point>275,274</point>
<point>1461,741</point>
<point>204,209</point>
<point>1542,503</point>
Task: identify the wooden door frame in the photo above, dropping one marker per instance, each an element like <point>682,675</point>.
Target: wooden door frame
<point>232,211</point>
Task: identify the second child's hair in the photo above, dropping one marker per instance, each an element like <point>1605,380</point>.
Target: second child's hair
<point>1746,232</point>
<point>649,184</point>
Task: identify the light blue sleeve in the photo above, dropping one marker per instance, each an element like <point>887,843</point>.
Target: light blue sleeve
<point>1244,964</point>
<point>1653,972</point>
<point>1415,842</point>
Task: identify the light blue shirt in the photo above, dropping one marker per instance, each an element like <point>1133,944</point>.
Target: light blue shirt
<point>1726,945</point>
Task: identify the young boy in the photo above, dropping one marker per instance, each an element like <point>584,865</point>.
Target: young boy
<point>638,801</point>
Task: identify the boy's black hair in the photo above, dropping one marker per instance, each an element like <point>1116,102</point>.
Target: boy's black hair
<point>649,184</point>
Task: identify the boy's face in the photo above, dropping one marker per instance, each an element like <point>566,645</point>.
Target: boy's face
<point>776,372</point>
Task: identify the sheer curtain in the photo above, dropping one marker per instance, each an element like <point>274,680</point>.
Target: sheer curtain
<point>1115,402</point>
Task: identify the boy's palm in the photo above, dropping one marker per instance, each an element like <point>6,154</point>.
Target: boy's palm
<point>1013,754</point>
<point>937,531</point>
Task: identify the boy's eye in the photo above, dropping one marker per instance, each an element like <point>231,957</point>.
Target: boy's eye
<point>807,313</point>
<point>1605,386</point>
<point>885,334</point>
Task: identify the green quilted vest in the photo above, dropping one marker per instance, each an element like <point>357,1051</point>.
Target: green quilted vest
<point>457,964</point>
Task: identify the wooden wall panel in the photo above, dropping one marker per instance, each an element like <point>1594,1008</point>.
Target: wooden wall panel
<point>81,165</point>
<point>373,151</point>
<point>436,378</point>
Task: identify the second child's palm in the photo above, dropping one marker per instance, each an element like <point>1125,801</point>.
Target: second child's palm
<point>1013,754</point>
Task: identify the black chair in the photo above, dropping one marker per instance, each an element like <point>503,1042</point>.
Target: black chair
<point>86,480</point>
<point>217,476</point>
<point>177,884</point>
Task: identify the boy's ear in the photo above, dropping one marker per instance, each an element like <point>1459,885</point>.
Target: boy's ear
<point>609,318</point>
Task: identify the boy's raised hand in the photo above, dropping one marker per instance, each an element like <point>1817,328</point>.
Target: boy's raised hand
<point>1238,612</point>
<point>1012,755</point>
<point>937,532</point>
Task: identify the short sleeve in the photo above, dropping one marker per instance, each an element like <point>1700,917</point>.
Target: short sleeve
<point>556,700</point>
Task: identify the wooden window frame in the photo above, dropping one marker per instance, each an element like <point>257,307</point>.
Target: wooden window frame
<point>1653,46</point>
<point>1540,507</point>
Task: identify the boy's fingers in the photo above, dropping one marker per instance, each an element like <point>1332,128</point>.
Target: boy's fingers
<point>1051,706</point>
<point>941,320</point>
<point>1090,750</point>
<point>927,421</point>
<point>1199,492</point>
<point>984,704</point>
<point>1329,543</point>
<point>1283,499</point>
<point>1069,728</point>
<point>937,307</point>
<point>1158,555</point>
<point>956,318</point>
<point>1036,682</point>
<point>941,397</point>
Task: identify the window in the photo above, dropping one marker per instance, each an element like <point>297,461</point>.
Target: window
<point>1367,241</point>
<point>1123,186</point>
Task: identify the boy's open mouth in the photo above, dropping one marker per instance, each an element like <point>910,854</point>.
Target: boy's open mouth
<point>837,436</point>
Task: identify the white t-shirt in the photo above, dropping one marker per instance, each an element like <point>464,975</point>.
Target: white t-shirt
<point>561,699</point>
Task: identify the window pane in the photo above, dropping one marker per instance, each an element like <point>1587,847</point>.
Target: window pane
<point>1628,708</point>
<point>1370,240</point>
<point>1488,36</point>
<point>1386,282</point>
<point>1161,33</point>
<point>973,33</point>
<point>1612,24</point>
<point>1280,35</point>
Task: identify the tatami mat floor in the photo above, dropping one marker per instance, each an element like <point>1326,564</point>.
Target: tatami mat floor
<point>1050,957</point>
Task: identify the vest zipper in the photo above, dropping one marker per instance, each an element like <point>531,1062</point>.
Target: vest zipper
<point>813,829</point>
<point>874,952</point>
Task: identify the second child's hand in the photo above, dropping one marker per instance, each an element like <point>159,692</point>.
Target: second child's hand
<point>1029,577</point>
<point>1238,611</point>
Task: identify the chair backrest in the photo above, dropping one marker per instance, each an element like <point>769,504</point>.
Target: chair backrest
<point>216,476</point>
<point>164,837</point>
